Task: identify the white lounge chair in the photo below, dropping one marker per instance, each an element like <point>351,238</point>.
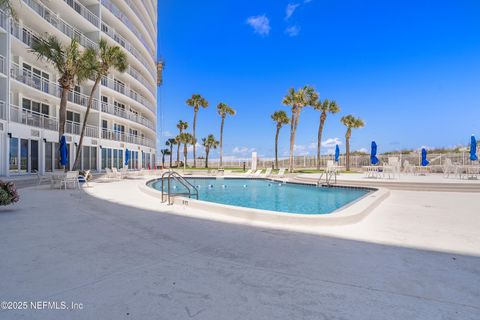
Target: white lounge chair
<point>71,178</point>
<point>281,173</point>
<point>408,168</point>
<point>248,172</point>
<point>449,168</point>
<point>257,173</point>
<point>267,173</point>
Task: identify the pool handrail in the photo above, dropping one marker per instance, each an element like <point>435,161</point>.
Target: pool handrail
<point>179,178</point>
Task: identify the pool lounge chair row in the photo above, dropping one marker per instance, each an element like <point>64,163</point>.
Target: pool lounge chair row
<point>267,174</point>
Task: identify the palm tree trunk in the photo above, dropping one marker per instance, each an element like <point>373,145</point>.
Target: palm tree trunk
<point>206,158</point>
<point>185,151</point>
<point>292,143</point>
<point>84,126</point>
<point>347,150</point>
<point>194,140</point>
<point>221,142</point>
<point>319,141</point>
<point>178,151</point>
<point>62,115</point>
<point>276,147</point>
<point>163,161</point>
<point>171,152</point>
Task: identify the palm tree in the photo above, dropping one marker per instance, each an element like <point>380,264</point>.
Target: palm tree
<point>281,118</point>
<point>325,107</point>
<point>351,123</point>
<point>72,65</point>
<point>208,143</point>
<point>171,143</point>
<point>196,101</point>
<point>186,139</point>
<point>297,100</point>
<point>164,153</point>
<point>181,125</point>
<point>223,109</point>
<point>100,62</point>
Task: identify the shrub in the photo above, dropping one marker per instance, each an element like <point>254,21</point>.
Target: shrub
<point>8,193</point>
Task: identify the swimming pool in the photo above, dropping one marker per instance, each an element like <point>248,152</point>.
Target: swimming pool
<point>270,195</point>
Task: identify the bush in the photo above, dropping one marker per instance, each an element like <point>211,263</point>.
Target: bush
<point>8,193</point>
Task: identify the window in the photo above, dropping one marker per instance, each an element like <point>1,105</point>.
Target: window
<point>73,116</point>
<point>35,106</point>
<point>23,155</point>
<point>119,105</point>
<point>40,78</point>
<point>133,132</point>
<point>89,158</point>
<point>118,86</point>
<point>34,159</point>
<point>119,128</point>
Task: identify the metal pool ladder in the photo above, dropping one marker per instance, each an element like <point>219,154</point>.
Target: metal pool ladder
<point>329,175</point>
<point>173,175</point>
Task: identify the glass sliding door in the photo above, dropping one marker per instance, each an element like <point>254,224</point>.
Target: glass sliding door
<point>13,157</point>
<point>23,155</point>
<point>34,159</point>
<point>48,157</point>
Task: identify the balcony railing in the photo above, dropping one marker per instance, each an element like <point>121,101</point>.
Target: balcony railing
<point>123,89</point>
<point>59,24</point>
<point>120,112</point>
<point>3,65</point>
<point>32,80</point>
<point>3,20</point>
<point>76,128</point>
<point>137,75</point>
<point>32,118</point>
<point>120,136</point>
<point>133,5</point>
<point>84,12</point>
<point>126,21</point>
<point>128,46</point>
<point>3,111</point>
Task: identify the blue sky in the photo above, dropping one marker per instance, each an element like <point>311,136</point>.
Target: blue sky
<point>410,69</point>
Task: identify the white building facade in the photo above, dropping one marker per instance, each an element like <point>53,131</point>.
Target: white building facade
<point>124,112</point>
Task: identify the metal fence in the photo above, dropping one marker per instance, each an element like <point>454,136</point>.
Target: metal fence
<point>309,162</point>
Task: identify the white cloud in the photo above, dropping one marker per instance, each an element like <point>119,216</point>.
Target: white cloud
<point>292,31</point>
<point>190,147</point>
<point>300,150</point>
<point>167,134</point>
<point>260,24</point>
<point>240,150</point>
<point>331,142</point>
<point>365,150</point>
<point>291,7</point>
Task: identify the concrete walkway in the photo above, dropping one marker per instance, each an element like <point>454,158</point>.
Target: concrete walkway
<point>125,256</point>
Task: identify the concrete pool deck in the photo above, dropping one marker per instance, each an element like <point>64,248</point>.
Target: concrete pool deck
<point>123,255</point>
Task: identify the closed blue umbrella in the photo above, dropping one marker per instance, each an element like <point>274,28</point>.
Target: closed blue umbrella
<point>127,157</point>
<point>63,151</point>
<point>373,154</point>
<point>473,149</point>
<point>425,162</point>
<point>337,153</point>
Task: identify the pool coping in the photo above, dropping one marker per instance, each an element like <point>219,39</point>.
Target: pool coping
<point>348,214</point>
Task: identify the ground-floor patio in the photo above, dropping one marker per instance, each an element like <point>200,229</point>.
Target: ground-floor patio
<point>123,255</point>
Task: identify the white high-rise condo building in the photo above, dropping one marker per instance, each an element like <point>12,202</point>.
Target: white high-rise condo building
<point>123,115</point>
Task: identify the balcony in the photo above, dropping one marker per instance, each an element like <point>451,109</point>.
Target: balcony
<point>76,128</point>
<point>128,46</point>
<point>125,90</point>
<point>3,111</point>
<point>137,75</point>
<point>3,65</point>
<point>119,112</point>
<point>32,80</point>
<point>84,12</point>
<point>31,118</point>
<point>126,21</point>
<point>128,138</point>
<point>59,24</point>
<point>3,20</point>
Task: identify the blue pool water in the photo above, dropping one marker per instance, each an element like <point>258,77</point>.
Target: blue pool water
<point>269,195</point>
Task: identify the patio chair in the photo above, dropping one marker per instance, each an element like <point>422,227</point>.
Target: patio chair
<point>248,172</point>
<point>267,173</point>
<point>109,174</point>
<point>123,172</point>
<point>71,178</point>
<point>281,173</point>
<point>408,168</point>
<point>257,173</point>
<point>449,168</point>
<point>116,173</point>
